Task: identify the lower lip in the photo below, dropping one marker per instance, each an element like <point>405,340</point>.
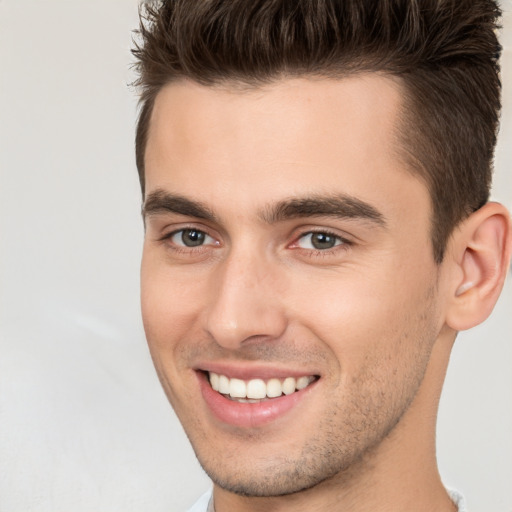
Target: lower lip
<point>249,415</point>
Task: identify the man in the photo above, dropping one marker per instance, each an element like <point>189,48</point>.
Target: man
<point>316,178</point>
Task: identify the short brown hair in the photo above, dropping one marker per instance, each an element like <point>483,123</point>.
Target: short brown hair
<point>445,52</point>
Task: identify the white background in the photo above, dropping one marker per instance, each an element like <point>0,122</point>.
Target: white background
<point>84,425</point>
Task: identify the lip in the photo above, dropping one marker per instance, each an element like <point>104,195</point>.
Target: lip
<point>249,415</point>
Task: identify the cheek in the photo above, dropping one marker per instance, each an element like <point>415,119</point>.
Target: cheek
<point>169,312</point>
<point>383,316</point>
<point>342,305</point>
<point>170,302</point>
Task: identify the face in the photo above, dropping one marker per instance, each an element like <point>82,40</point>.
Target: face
<point>289,292</point>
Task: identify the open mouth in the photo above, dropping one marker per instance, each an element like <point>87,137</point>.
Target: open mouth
<point>257,390</point>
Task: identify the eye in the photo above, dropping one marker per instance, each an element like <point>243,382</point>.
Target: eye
<point>319,241</point>
<point>190,237</point>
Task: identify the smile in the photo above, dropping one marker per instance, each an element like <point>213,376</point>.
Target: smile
<point>257,390</point>
<point>254,398</point>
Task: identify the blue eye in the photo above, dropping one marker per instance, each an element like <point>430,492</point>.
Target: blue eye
<point>191,238</point>
<point>319,241</point>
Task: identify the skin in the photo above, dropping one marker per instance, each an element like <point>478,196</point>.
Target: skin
<point>369,316</point>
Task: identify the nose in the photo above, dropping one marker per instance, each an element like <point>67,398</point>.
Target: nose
<point>244,301</point>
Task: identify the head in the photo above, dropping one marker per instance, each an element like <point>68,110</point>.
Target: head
<point>296,160</point>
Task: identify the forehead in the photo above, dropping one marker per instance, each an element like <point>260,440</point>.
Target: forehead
<point>291,137</point>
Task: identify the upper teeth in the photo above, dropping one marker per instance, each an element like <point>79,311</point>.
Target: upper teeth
<point>258,388</point>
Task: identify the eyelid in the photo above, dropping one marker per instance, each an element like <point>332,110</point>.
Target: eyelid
<point>304,238</point>
<point>188,227</point>
<point>345,239</point>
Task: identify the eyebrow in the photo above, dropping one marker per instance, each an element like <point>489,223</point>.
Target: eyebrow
<point>161,201</point>
<point>340,206</point>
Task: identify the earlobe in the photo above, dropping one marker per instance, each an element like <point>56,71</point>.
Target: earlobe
<point>481,249</point>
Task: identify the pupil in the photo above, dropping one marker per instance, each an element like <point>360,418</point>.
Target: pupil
<point>192,238</point>
<point>323,241</point>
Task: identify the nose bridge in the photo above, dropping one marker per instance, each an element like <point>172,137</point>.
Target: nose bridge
<point>243,302</point>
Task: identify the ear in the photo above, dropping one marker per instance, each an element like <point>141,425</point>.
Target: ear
<point>479,256</point>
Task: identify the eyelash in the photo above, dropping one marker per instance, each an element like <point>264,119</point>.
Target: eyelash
<point>184,248</point>
<point>343,245</point>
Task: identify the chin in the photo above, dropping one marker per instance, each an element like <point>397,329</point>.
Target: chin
<point>267,486</point>
<point>276,475</point>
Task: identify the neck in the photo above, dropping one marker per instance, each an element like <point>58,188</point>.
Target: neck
<point>398,475</point>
